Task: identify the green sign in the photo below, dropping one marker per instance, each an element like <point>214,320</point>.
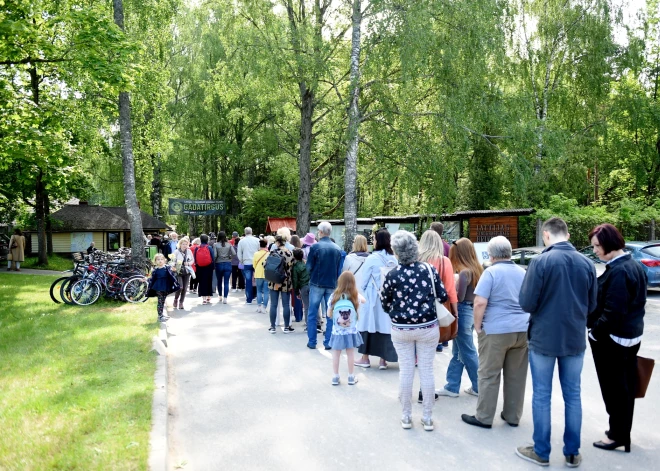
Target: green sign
<point>196,207</point>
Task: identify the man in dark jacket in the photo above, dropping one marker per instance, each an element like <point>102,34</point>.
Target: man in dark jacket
<point>324,266</point>
<point>559,290</point>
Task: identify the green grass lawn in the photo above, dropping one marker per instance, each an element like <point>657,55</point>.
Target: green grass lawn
<point>55,262</point>
<point>76,383</point>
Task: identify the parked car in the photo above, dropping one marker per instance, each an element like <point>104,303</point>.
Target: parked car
<point>523,255</point>
<point>648,256</point>
<point>598,263</point>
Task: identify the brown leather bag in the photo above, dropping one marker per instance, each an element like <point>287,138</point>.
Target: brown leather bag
<point>451,331</point>
<point>644,371</point>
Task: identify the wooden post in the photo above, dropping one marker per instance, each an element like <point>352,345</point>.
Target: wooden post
<point>539,233</point>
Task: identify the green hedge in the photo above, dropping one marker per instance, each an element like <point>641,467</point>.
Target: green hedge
<point>631,217</point>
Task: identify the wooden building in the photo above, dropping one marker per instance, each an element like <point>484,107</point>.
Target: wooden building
<point>75,226</point>
<point>483,225</point>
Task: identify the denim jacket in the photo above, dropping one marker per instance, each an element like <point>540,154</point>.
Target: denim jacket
<point>324,264</point>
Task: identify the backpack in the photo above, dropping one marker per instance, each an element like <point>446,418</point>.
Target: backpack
<point>203,257</point>
<point>384,270</point>
<point>275,268</point>
<point>344,314</point>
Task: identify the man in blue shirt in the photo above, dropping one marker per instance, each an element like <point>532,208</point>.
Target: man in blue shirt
<point>323,265</point>
<point>559,291</point>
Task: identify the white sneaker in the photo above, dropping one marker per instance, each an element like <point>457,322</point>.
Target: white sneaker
<point>224,301</point>
<point>259,308</point>
<point>233,291</point>
<point>444,392</point>
<point>471,392</point>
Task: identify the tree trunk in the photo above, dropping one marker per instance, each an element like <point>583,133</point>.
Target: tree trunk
<point>128,164</point>
<point>40,214</point>
<point>350,172</point>
<point>303,219</point>
<point>156,186</point>
<point>49,225</point>
<point>40,188</point>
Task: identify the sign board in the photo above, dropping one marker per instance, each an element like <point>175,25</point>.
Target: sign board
<point>482,229</point>
<point>482,252</point>
<point>196,207</point>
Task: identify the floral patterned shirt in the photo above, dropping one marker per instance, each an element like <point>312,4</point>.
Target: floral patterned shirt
<point>407,295</point>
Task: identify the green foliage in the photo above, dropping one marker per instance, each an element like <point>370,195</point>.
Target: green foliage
<point>477,104</point>
<point>631,218</point>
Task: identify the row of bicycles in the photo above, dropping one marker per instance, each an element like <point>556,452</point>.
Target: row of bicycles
<point>114,276</point>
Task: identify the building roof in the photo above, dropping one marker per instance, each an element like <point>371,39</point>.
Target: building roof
<point>491,212</point>
<point>341,221</point>
<point>274,224</point>
<point>458,215</point>
<point>83,217</point>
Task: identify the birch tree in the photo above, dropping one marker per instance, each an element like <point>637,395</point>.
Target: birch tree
<point>350,172</point>
<point>128,163</point>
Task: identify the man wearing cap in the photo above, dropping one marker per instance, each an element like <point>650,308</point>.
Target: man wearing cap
<point>323,265</point>
<point>247,247</point>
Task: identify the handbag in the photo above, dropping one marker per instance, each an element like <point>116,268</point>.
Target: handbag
<point>449,333</point>
<point>445,317</point>
<point>644,370</point>
<point>14,244</point>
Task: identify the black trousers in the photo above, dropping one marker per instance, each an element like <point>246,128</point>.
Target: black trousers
<point>237,276</point>
<point>616,367</point>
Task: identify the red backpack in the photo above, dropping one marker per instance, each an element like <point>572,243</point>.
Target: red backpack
<point>203,257</point>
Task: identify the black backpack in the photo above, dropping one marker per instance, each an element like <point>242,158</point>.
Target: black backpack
<point>275,268</point>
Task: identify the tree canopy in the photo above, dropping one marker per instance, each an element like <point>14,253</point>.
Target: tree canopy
<point>276,108</point>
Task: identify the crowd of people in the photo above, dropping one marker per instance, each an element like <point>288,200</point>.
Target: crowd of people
<point>386,305</point>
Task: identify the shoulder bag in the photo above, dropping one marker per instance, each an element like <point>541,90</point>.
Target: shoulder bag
<point>445,318</point>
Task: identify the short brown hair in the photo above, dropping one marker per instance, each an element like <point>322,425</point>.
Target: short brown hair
<point>555,226</point>
<point>438,227</point>
<point>608,236</point>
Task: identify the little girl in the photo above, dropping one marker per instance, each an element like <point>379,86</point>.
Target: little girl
<point>345,336</point>
<point>161,283</point>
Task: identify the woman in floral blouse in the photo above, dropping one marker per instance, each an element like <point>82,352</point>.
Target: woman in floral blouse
<point>408,297</point>
<point>285,288</point>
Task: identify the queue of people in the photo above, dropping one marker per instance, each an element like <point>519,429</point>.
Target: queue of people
<point>386,304</point>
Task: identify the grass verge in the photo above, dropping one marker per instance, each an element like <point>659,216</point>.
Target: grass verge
<point>55,262</point>
<point>76,382</point>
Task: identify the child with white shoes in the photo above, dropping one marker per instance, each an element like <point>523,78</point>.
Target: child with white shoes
<point>342,308</point>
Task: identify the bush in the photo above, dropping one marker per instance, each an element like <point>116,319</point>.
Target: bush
<point>632,218</point>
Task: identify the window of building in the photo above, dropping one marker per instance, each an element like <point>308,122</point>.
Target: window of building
<point>113,240</point>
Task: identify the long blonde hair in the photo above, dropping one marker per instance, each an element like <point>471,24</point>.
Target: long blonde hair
<point>430,247</point>
<point>346,285</point>
<point>463,257</point>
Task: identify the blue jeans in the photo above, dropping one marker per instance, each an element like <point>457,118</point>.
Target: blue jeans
<point>262,292</point>
<point>570,371</point>
<point>318,297</point>
<point>286,307</point>
<point>464,355</point>
<point>248,271</point>
<point>223,273</point>
<point>297,308</point>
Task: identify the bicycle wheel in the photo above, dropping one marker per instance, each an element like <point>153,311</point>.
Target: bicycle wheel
<point>65,289</point>
<point>135,289</point>
<point>55,289</point>
<point>85,292</point>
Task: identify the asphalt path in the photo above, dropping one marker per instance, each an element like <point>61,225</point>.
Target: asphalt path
<point>243,399</point>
